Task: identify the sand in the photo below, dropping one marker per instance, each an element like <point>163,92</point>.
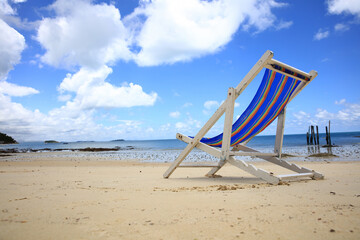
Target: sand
<point>64,198</point>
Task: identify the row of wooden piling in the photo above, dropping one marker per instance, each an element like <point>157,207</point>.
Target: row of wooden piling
<point>312,138</point>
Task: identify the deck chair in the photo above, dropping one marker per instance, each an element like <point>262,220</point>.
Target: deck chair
<point>280,84</point>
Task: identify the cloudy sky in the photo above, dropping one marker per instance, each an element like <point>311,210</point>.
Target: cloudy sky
<point>102,70</point>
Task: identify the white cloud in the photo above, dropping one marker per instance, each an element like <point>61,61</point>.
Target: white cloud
<point>66,123</point>
<point>210,107</point>
<point>157,32</point>
<point>321,34</point>
<point>188,104</point>
<point>84,77</point>
<point>175,114</point>
<point>12,44</point>
<point>283,25</point>
<point>150,130</point>
<point>342,101</point>
<point>340,27</point>
<point>345,119</point>
<point>64,97</point>
<point>83,34</point>
<point>324,114</point>
<point>302,116</point>
<point>92,91</point>
<point>14,90</point>
<point>180,30</point>
<point>344,6</point>
<point>5,8</point>
<point>165,127</point>
<point>16,119</point>
<point>181,126</point>
<point>211,104</point>
<point>189,126</point>
<point>349,115</point>
<point>325,59</point>
<point>8,14</point>
<point>89,36</point>
<point>24,124</point>
<point>258,13</point>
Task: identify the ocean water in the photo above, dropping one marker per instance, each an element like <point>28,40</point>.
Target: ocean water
<point>167,150</point>
<point>293,140</point>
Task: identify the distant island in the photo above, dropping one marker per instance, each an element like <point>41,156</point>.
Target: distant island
<point>5,139</point>
<point>117,140</point>
<point>51,141</point>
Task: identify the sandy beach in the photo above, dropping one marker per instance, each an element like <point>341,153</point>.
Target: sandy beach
<point>70,198</point>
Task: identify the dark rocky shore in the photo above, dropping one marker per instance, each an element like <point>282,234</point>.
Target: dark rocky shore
<point>88,149</point>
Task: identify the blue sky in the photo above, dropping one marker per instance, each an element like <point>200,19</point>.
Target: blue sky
<point>102,70</point>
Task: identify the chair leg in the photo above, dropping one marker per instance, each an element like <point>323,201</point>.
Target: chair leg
<point>179,159</point>
<point>214,170</point>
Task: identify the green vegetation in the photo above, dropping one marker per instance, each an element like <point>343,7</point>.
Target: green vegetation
<point>5,139</point>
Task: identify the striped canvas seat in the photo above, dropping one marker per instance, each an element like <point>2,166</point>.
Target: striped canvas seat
<point>272,96</point>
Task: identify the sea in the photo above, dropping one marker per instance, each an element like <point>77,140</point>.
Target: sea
<point>347,148</point>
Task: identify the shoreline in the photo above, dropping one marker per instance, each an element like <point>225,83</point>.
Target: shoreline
<point>87,149</point>
<point>87,198</point>
<point>299,154</point>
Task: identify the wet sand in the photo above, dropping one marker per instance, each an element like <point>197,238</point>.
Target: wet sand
<point>70,198</point>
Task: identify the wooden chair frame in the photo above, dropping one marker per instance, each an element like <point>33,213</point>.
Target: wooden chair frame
<point>225,154</point>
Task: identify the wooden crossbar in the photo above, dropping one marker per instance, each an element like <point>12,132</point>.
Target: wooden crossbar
<point>284,73</point>
<point>295,176</point>
<point>253,154</point>
<point>295,70</point>
<point>200,165</point>
<point>202,146</point>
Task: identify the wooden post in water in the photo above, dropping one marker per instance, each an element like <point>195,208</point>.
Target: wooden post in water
<point>317,134</point>
<point>329,135</point>
<point>307,137</point>
<point>312,139</point>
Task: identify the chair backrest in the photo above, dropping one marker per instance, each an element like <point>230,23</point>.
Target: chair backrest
<point>273,95</point>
